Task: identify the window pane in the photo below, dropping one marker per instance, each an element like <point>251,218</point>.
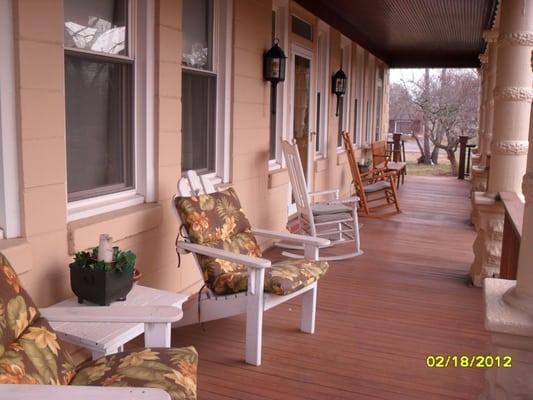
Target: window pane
<point>198,122</point>
<point>341,120</point>
<point>197,33</point>
<point>99,127</point>
<point>355,127</point>
<point>97,25</point>
<point>379,100</point>
<point>273,120</point>
<point>302,28</point>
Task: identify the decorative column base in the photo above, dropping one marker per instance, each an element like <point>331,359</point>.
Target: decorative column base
<point>489,215</point>
<point>511,335</point>
<point>476,158</point>
<point>480,177</point>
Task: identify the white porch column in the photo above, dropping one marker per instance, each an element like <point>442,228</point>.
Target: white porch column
<point>509,126</point>
<point>479,150</point>
<point>511,321</point>
<point>487,246</point>
<point>479,174</point>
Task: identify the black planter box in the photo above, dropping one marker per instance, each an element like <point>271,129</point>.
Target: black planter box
<point>100,287</point>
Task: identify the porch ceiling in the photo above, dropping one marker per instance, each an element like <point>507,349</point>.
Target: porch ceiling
<point>413,33</point>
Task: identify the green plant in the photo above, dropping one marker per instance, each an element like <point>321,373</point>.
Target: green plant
<point>123,261</point>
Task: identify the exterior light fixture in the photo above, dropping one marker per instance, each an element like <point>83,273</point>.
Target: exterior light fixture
<point>274,61</point>
<point>338,86</point>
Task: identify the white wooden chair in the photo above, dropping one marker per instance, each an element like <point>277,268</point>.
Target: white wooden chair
<point>39,365</point>
<point>334,219</point>
<point>254,301</point>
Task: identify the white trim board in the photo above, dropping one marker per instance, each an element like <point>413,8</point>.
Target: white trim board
<point>9,170</point>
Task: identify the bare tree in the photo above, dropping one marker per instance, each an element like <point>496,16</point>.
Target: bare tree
<point>448,104</point>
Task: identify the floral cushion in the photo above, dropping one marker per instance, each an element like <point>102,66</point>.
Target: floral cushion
<point>36,357</point>
<point>217,220</point>
<point>288,276</point>
<point>29,349</point>
<point>173,370</point>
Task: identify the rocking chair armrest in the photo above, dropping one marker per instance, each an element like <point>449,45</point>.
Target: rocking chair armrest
<point>347,200</point>
<point>123,314</point>
<point>249,261</point>
<point>336,192</point>
<point>291,237</point>
<point>63,392</point>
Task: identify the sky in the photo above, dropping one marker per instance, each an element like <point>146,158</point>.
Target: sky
<point>406,74</point>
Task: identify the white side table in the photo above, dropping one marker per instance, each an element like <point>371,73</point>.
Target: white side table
<point>109,338</point>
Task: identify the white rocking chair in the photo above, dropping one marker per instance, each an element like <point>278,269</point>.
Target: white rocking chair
<point>254,301</point>
<point>335,219</point>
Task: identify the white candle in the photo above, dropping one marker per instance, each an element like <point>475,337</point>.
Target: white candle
<point>105,248</point>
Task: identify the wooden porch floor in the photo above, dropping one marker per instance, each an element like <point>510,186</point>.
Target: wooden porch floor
<point>379,316</point>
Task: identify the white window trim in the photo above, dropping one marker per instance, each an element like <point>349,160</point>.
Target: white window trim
<point>281,7</point>
<point>299,50</point>
<point>323,31</point>
<point>346,45</point>
<point>359,94</point>
<point>143,24</point>
<point>378,84</point>
<point>10,224</point>
<point>222,43</point>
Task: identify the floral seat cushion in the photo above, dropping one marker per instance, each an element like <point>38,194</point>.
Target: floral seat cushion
<point>173,370</point>
<point>288,276</point>
<point>217,220</point>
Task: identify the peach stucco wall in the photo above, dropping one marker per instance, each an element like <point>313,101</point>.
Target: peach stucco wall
<point>42,255</point>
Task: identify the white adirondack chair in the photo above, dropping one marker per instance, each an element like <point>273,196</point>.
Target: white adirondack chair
<point>157,320</point>
<point>254,301</point>
<point>335,219</point>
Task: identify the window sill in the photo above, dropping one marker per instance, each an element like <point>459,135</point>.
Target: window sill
<point>103,204</point>
<point>341,158</point>
<point>120,224</point>
<point>277,178</point>
<point>273,165</point>
<point>321,164</point>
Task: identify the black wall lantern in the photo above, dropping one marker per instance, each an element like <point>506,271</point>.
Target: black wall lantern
<point>338,86</point>
<point>274,61</point>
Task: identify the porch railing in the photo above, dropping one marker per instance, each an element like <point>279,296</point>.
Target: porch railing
<point>512,234</point>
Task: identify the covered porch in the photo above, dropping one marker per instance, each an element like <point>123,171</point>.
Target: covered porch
<point>379,316</point>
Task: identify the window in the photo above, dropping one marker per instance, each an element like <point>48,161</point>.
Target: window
<point>358,86</point>
<point>205,87</point>
<point>379,104</point>
<point>278,96</point>
<point>322,95</point>
<point>9,190</point>
<point>108,120</point>
<point>302,28</point>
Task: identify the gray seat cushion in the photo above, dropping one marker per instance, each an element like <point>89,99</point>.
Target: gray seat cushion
<point>377,186</point>
<point>322,209</point>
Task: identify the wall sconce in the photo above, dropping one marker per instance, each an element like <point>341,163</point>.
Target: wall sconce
<point>338,86</point>
<point>274,61</point>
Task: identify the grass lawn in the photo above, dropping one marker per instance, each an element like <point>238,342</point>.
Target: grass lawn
<point>443,168</point>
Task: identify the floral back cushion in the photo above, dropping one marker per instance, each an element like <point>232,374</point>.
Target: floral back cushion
<point>217,220</point>
<point>29,349</point>
<point>17,310</point>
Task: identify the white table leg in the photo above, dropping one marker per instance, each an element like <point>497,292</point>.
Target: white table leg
<point>307,321</point>
<point>96,354</point>
<point>157,335</point>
